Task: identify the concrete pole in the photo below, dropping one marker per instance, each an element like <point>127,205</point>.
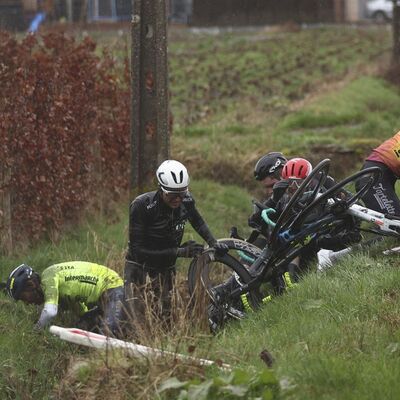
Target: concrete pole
<point>149,82</point>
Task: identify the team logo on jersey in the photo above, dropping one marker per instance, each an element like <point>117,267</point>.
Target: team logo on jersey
<point>92,280</point>
<point>181,226</point>
<point>151,205</point>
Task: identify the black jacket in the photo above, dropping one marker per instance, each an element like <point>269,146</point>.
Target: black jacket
<point>156,230</point>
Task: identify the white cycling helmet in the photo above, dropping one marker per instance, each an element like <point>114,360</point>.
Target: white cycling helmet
<point>173,176</point>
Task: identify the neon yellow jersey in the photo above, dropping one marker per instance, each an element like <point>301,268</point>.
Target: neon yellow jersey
<point>77,282</point>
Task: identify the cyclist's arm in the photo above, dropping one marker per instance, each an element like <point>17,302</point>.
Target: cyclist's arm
<point>197,221</point>
<point>51,297</point>
<point>48,313</point>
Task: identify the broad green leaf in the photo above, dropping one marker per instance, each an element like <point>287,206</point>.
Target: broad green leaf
<point>172,383</point>
<point>201,391</point>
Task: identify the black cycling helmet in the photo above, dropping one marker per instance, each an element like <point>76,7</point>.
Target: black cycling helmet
<point>18,278</point>
<point>269,165</point>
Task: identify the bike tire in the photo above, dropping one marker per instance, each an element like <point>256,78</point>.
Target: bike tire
<point>333,194</point>
<point>235,246</point>
<point>311,185</point>
<point>284,250</point>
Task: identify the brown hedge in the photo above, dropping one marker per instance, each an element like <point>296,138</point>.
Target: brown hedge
<point>64,130</point>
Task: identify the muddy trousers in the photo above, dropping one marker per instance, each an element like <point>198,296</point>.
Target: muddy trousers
<point>106,316</point>
<point>147,288</point>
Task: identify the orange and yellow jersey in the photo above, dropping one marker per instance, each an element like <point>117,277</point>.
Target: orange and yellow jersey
<point>388,153</point>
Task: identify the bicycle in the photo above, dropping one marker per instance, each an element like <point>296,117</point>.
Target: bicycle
<point>308,214</point>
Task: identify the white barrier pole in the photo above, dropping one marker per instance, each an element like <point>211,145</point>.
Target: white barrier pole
<point>85,338</point>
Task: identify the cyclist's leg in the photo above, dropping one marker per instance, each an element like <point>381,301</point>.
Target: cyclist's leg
<point>112,302</point>
<point>89,321</point>
<point>161,285</point>
<point>134,280</point>
<point>382,196</point>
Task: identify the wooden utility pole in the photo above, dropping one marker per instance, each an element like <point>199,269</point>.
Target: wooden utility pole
<point>338,7</point>
<point>149,74</point>
<point>396,32</point>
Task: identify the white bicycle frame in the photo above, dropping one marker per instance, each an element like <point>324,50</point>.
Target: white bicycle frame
<point>377,218</point>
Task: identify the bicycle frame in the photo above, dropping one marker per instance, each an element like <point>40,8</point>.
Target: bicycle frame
<point>384,222</point>
<point>301,222</point>
<point>265,264</point>
<point>291,240</point>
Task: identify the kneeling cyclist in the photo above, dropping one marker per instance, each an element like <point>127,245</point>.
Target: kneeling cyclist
<point>76,285</point>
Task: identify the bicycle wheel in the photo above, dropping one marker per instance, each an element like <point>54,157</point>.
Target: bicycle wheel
<point>304,195</point>
<point>339,198</point>
<point>245,253</point>
<point>214,277</point>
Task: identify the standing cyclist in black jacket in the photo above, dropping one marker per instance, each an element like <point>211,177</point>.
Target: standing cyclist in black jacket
<point>156,226</point>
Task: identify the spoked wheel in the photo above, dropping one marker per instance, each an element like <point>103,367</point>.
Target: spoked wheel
<point>340,197</point>
<point>212,278</point>
<point>304,195</point>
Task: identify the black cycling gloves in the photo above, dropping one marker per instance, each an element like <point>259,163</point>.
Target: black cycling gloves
<point>278,191</point>
<point>189,249</point>
<point>192,249</point>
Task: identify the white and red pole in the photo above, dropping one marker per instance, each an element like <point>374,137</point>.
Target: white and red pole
<point>85,338</point>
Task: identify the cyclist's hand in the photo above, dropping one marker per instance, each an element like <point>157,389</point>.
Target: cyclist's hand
<point>37,328</point>
<point>279,190</point>
<point>255,220</point>
<point>190,249</point>
<point>234,233</point>
<point>220,248</point>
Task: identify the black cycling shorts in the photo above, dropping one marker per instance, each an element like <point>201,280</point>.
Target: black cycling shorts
<point>382,196</point>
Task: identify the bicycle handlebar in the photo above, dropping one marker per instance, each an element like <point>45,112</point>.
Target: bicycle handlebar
<point>265,216</point>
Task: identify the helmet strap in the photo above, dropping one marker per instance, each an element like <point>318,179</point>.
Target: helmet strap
<point>277,173</point>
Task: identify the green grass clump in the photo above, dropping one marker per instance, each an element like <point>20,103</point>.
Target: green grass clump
<point>361,113</point>
<point>333,336</point>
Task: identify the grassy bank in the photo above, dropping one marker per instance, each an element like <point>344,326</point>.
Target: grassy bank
<point>335,335</point>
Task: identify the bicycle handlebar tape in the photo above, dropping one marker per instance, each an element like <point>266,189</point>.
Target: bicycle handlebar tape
<point>265,216</point>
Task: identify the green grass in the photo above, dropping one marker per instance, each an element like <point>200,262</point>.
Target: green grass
<point>367,106</point>
<point>27,357</point>
<point>335,336</point>
<point>234,97</point>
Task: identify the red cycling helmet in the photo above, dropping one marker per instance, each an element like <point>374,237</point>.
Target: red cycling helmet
<point>296,168</point>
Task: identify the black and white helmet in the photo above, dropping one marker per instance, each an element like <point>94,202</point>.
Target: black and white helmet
<point>18,278</point>
<point>270,164</point>
<point>173,177</point>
